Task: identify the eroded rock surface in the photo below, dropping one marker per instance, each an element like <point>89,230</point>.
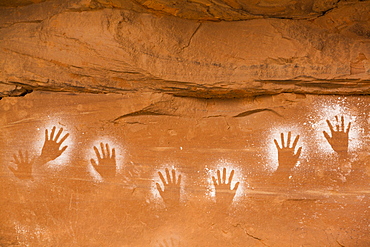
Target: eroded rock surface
<point>146,170</point>
<point>86,46</point>
<point>223,123</point>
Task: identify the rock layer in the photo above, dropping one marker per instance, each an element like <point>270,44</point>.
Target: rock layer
<point>86,46</point>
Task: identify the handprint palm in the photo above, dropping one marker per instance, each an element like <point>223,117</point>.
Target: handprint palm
<point>50,150</point>
<point>224,193</point>
<point>171,242</point>
<point>106,165</point>
<point>286,156</point>
<point>339,137</point>
<point>171,191</point>
<point>24,166</point>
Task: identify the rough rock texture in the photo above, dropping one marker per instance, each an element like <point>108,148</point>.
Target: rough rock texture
<point>119,47</point>
<point>312,193</point>
<point>175,123</point>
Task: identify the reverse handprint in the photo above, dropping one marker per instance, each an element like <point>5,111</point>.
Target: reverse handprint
<point>50,150</point>
<point>171,242</point>
<point>286,156</point>
<point>106,165</point>
<point>224,193</point>
<point>24,166</point>
<point>171,191</point>
<point>339,136</point>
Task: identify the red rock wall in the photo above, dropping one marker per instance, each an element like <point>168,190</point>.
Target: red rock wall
<point>184,123</point>
<point>78,46</point>
<point>311,190</point>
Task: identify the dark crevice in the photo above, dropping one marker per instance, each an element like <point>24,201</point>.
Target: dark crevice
<point>192,36</point>
<point>330,9</point>
<point>269,87</point>
<point>250,235</point>
<point>96,6</point>
<point>19,91</point>
<point>5,25</point>
<point>250,16</point>
<point>250,112</point>
<point>143,112</point>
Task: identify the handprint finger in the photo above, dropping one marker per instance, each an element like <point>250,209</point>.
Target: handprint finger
<point>16,161</point>
<point>20,156</point>
<point>214,181</point>
<point>337,123</point>
<point>295,141</point>
<point>102,150</point>
<point>52,133</point>
<point>231,177</point>
<point>32,160</point>
<point>58,134</point>
<point>62,150</point>
<point>108,150</point>
<point>179,180</point>
<point>330,126</point>
<point>113,153</point>
<point>165,243</point>
<point>12,169</point>
<point>298,152</point>
<point>236,186</point>
<point>342,127</point>
<point>277,144</point>
<point>219,176</point>
<point>288,139</point>
<point>168,176</point>
<point>162,178</point>
<point>282,140</point>
<point>348,128</point>
<point>224,176</point>
<point>173,177</point>
<point>26,158</point>
<point>94,164</point>
<point>327,136</point>
<point>159,188</point>
<point>46,135</point>
<point>63,139</point>
<point>97,153</point>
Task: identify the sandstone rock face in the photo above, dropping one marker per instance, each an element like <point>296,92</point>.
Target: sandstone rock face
<point>85,46</point>
<point>145,170</point>
<point>184,123</point>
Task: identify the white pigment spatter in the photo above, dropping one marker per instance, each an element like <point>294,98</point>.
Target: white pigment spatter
<point>328,110</point>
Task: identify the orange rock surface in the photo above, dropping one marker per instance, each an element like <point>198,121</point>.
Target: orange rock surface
<point>184,123</point>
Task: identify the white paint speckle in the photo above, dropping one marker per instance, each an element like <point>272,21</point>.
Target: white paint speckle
<point>327,110</point>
